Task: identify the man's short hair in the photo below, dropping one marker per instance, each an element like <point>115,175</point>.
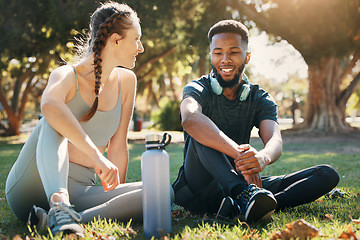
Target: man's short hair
<point>231,26</point>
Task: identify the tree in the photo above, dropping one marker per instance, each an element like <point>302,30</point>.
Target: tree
<point>327,34</point>
<point>34,35</point>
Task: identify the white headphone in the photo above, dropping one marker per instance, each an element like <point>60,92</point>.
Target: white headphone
<point>218,90</point>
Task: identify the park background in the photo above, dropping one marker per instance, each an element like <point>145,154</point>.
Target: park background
<point>305,53</point>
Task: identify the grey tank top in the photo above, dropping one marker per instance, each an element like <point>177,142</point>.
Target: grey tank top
<point>103,125</point>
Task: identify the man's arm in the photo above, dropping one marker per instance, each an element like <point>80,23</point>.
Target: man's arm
<point>203,129</point>
<point>271,136</point>
<point>253,161</point>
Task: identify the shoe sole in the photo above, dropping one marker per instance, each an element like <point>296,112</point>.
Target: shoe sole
<point>262,207</point>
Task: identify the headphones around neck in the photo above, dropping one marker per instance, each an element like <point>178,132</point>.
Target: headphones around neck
<point>218,90</point>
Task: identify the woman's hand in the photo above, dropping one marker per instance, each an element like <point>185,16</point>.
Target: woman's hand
<point>107,172</point>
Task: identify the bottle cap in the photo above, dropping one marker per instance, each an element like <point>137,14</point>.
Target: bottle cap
<point>153,137</point>
<point>157,141</point>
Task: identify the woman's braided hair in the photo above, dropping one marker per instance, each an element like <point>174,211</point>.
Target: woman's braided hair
<point>109,18</point>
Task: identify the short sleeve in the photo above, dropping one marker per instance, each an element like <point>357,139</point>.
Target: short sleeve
<point>266,109</point>
<point>198,90</point>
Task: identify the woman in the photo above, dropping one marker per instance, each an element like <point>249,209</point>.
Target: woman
<point>59,162</point>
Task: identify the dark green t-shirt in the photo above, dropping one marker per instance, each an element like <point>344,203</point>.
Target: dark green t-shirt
<point>235,118</point>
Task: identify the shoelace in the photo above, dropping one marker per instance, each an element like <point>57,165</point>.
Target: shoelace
<point>64,213</point>
<point>247,193</point>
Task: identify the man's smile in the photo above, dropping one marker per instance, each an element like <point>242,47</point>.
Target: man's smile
<point>227,70</point>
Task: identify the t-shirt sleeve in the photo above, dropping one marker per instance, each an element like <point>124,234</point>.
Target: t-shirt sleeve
<point>198,91</point>
<point>266,109</point>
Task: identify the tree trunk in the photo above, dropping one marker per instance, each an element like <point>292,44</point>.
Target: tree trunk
<point>14,126</point>
<point>15,110</point>
<point>325,109</point>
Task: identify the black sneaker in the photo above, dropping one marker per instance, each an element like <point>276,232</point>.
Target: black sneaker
<point>63,218</point>
<point>256,203</point>
<point>38,219</point>
<point>228,209</point>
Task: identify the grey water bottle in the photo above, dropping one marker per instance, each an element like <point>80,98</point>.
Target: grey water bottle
<point>155,174</point>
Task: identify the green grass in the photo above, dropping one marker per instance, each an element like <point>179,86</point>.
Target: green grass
<point>190,226</point>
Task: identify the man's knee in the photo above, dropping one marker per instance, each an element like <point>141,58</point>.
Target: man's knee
<point>329,174</point>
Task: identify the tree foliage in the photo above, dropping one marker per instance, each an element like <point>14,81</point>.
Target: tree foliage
<point>168,118</point>
<point>317,29</point>
<point>34,27</point>
<point>35,34</point>
<point>178,30</point>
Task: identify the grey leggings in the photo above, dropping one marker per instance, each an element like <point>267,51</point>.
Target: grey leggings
<point>43,168</point>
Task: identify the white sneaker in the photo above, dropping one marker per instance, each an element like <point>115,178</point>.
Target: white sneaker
<point>63,218</point>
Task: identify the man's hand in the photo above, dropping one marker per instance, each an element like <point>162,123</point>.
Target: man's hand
<point>250,162</point>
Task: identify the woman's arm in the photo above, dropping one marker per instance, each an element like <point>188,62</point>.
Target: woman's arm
<point>118,152</point>
<point>60,89</point>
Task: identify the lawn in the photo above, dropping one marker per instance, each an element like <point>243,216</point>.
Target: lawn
<point>330,216</point>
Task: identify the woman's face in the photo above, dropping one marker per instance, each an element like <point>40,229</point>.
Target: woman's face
<point>129,47</point>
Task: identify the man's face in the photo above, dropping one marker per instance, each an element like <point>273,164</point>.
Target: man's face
<point>228,55</point>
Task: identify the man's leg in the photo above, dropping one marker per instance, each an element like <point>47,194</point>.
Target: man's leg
<point>204,164</point>
<point>303,186</point>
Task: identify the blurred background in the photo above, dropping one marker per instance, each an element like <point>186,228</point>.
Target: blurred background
<point>305,53</point>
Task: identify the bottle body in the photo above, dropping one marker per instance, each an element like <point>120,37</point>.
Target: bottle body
<point>155,174</point>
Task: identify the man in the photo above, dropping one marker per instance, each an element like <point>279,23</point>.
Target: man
<point>221,170</point>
